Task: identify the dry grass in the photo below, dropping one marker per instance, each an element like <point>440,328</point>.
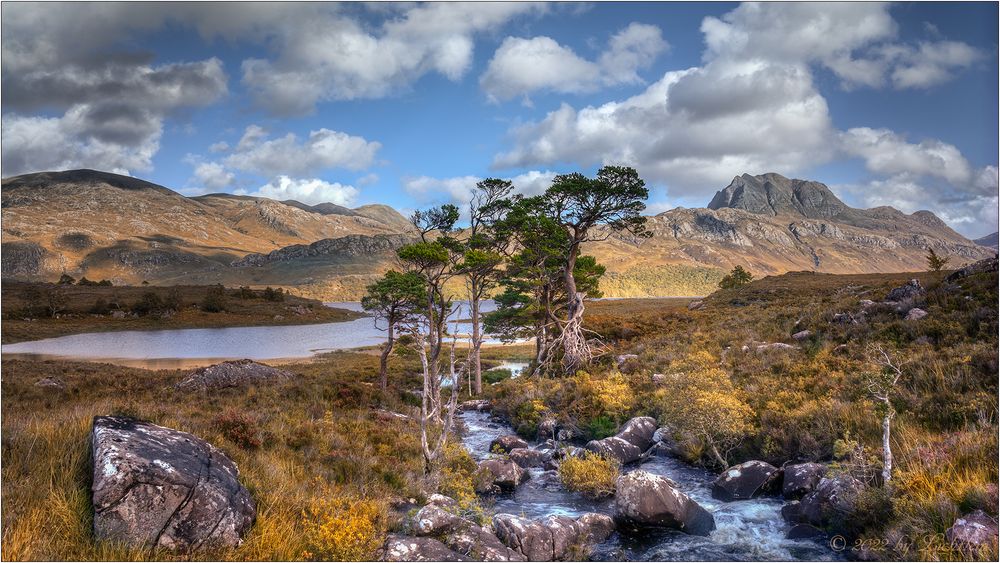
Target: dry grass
<point>320,426</point>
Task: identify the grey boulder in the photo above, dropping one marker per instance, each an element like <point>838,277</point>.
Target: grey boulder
<point>404,548</point>
<point>527,457</point>
<point>643,499</point>
<point>158,487</point>
<point>239,373</point>
<point>972,532</point>
<point>801,479</point>
<point>553,538</point>
<point>915,314</point>
<point>746,480</point>
<point>498,475</point>
<point>910,290</point>
<point>832,502</point>
<point>507,444</point>
<point>634,439</point>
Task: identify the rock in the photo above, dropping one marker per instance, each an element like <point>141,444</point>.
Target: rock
<point>791,512</point>
<point>403,548</point>
<point>915,314</point>
<point>695,305</point>
<point>972,532</point>
<point>643,499</point>
<point>547,428</point>
<point>527,457</point>
<point>804,532</point>
<point>567,434</point>
<point>635,437</point>
<point>802,335</point>
<point>158,487</point>
<point>51,383</point>
<point>475,405</point>
<point>832,502</point>
<point>866,303</point>
<point>659,378</point>
<point>479,544</point>
<point>442,501</point>
<point>507,444</point>
<point>432,520</point>
<point>981,267</point>
<point>775,346</point>
<point>240,373</point>
<point>844,318</point>
<point>910,290</point>
<point>553,538</point>
<point>801,479</point>
<point>498,475</point>
<point>746,480</point>
<point>118,314</point>
<point>626,360</point>
<point>569,451</point>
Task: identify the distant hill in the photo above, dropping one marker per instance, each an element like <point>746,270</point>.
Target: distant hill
<point>102,225</point>
<point>989,241</point>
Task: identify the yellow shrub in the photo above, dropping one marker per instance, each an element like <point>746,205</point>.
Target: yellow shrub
<point>603,395</point>
<point>338,527</point>
<point>591,474</point>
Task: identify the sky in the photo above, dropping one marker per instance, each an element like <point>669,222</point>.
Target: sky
<point>410,104</point>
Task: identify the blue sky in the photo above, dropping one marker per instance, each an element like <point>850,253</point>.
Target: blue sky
<point>410,104</point>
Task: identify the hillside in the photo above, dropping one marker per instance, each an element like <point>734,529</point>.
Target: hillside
<point>102,225</point>
<point>989,241</point>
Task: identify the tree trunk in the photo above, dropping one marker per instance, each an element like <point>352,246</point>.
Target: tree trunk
<point>576,352</point>
<point>717,455</point>
<point>383,366</point>
<point>477,337</point>
<point>886,448</point>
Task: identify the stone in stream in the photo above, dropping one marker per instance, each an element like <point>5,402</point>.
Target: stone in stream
<point>498,475</point>
<point>804,532</point>
<point>792,512</point>
<point>239,373</point>
<point>158,487</point>
<point>801,479</point>
<point>643,499</point>
<point>634,439</point>
<point>746,480</point>
<point>973,532</point>
<point>547,429</point>
<point>832,502</point>
<point>553,538</point>
<point>459,534</point>
<point>480,405</point>
<point>506,444</point>
<point>527,457</point>
<point>404,548</point>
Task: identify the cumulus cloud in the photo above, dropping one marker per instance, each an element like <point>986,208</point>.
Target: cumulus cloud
<point>334,57</point>
<point>459,189</point>
<point>323,149</point>
<point>310,191</point>
<point>522,66</point>
<point>213,176</point>
<point>888,153</point>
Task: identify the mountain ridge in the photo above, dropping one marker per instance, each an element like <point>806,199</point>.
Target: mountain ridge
<point>104,225</point>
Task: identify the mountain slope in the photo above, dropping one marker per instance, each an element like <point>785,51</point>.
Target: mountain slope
<point>107,226</point>
<point>989,241</point>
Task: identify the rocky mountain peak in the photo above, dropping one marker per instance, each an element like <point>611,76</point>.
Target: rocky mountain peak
<point>773,194</point>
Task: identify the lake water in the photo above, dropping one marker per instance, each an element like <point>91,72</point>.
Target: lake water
<point>166,349</point>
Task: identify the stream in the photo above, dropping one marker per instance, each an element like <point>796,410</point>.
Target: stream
<point>749,530</point>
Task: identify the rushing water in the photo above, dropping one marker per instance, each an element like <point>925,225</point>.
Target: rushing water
<point>750,530</point>
<point>172,348</point>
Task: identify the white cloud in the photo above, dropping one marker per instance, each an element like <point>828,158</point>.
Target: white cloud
<point>213,175</point>
<point>522,66</point>
<point>887,153</point>
<point>459,189</point>
<point>323,149</point>
<point>221,146</point>
<point>931,64</point>
<point>310,191</point>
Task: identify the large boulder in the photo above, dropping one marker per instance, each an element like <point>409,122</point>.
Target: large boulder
<point>507,444</point>
<point>433,519</point>
<point>475,405</point>
<point>832,502</point>
<point>801,479</point>
<point>915,314</point>
<point>746,480</point>
<point>643,499</point>
<point>239,373</point>
<point>981,267</point>
<point>459,534</point>
<point>497,476</point>
<point>908,291</point>
<point>404,548</point>
<point>158,487</point>
<point>553,538</point>
<point>634,439</point>
<point>973,532</point>
<point>527,457</point>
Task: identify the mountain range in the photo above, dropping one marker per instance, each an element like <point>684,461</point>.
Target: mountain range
<point>102,225</point>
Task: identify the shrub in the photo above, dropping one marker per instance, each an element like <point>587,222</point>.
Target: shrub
<point>215,300</point>
<point>274,294</point>
<point>342,527</point>
<point>240,429</point>
<point>496,375</point>
<point>601,427</point>
<point>592,474</point>
<point>608,397</point>
<point>737,278</point>
<point>149,303</point>
<point>100,307</point>
<point>173,300</point>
